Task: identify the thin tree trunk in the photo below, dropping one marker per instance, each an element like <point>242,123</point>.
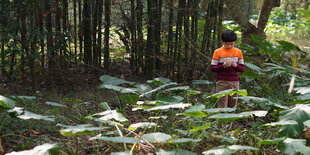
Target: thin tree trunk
<point>94,32</point>
<point>133,30</point>
<point>170,41</point>
<point>65,25</point>
<point>80,33</point>
<point>150,40</point>
<point>24,38</point>
<point>87,32</point>
<point>100,15</point>
<point>140,41</point>
<point>219,23</point>
<point>157,29</point>
<point>49,38</point>
<point>75,26</point>
<point>107,10</point>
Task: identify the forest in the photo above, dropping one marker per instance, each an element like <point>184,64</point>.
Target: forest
<point>125,77</point>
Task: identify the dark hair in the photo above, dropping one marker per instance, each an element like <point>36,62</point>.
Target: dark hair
<point>229,36</point>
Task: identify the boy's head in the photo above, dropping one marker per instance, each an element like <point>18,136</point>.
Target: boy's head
<point>229,38</point>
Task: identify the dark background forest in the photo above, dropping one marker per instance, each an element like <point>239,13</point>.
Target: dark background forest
<point>58,52</point>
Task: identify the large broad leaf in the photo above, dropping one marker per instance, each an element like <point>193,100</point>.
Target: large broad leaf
<point>221,150</point>
<point>203,127</point>
<point>44,149</point>
<point>120,89</point>
<point>174,152</point>
<point>184,140</point>
<point>288,122</point>
<point>162,107</point>
<point>178,89</point>
<point>55,104</point>
<point>83,129</point>
<point>159,81</point>
<point>254,67</point>
<point>228,116</point>
<point>24,114</point>
<point>111,114</point>
<point>108,80</point>
<point>129,140</point>
<point>6,103</point>
<point>169,99</point>
<point>141,125</point>
<point>194,114</point>
<point>307,123</point>
<point>300,113</point>
<point>292,146</point>
<point>196,107</point>
<point>198,82</point>
<point>130,99</point>
<point>157,137</point>
<point>215,110</point>
<point>302,90</point>
<point>158,88</point>
<point>271,141</point>
<point>229,92</point>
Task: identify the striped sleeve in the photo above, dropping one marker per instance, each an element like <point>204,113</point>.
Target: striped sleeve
<point>240,58</point>
<point>215,59</point>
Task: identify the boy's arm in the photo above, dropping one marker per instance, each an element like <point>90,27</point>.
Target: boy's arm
<point>216,66</point>
<point>240,66</point>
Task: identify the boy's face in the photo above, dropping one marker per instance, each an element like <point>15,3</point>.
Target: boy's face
<point>228,45</point>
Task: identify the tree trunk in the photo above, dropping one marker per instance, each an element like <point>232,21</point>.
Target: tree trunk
<point>87,32</point>
<point>49,38</point>
<point>74,34</point>
<point>150,57</point>
<point>80,33</point>
<point>170,41</point>
<point>100,15</point>
<point>94,32</point>
<point>157,29</point>
<point>133,30</point>
<point>247,28</point>
<point>107,13</point>
<point>140,41</point>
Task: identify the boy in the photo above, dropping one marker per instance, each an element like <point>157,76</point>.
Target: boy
<point>227,61</point>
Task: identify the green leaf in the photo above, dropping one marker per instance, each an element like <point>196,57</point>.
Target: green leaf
<point>158,88</point>
<point>55,104</point>
<point>174,152</point>
<point>307,123</point>
<point>83,129</point>
<point>111,114</point>
<point>196,107</point>
<point>254,67</point>
<point>162,107</point>
<point>221,150</point>
<point>120,89</point>
<point>157,137</point>
<point>300,113</point>
<point>271,141</point>
<point>257,113</point>
<point>229,92</point>
<point>105,106</point>
<point>129,140</point>
<point>194,114</point>
<point>159,81</point>
<point>130,99</point>
<point>51,149</point>
<point>239,147</point>
<point>198,82</point>
<point>6,103</point>
<point>302,90</point>
<point>215,110</point>
<point>141,125</point>
<point>108,80</point>
<point>169,99</point>
<point>184,140</point>
<point>228,116</point>
<point>292,146</point>
<point>288,122</point>
<point>203,127</point>
<point>30,115</point>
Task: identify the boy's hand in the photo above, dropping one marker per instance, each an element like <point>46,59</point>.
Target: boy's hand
<point>233,64</point>
<point>227,64</point>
